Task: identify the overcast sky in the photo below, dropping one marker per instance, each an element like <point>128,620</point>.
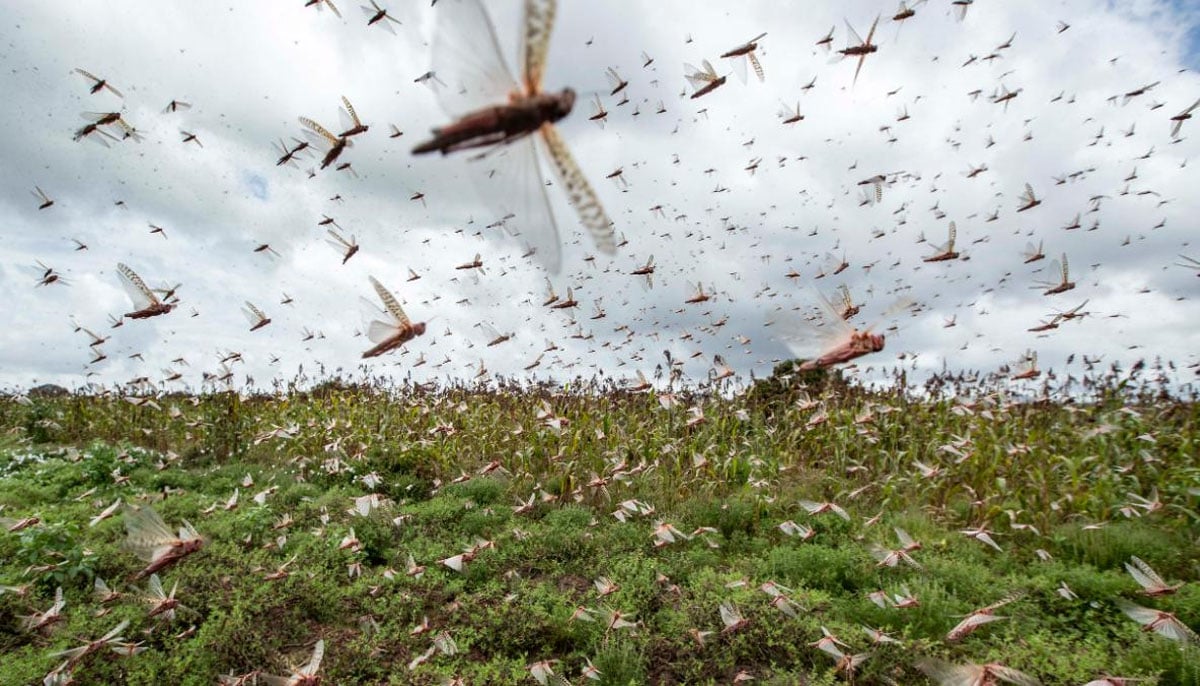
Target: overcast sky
<point>250,69</point>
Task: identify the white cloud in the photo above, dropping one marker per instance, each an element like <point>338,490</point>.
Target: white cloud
<point>252,69</point>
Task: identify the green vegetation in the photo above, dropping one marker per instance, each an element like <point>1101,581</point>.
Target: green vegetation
<point>1068,491</point>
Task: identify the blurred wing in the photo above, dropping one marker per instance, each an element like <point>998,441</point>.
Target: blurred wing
<point>535,43</point>
<point>828,306</point>
<point>138,291</point>
<point>1178,631</point>
<point>445,643</point>
<point>899,305</point>
<point>346,119</point>
<point>323,136</point>
<point>1143,573</point>
<point>378,332</point>
<point>389,300</point>
<point>579,191</point>
<point>758,70</point>
<point>335,239</point>
<point>1056,271</point>
<point>515,185</point>
<point>1139,614</point>
<point>115,631</point>
<point>729,615</point>
<point>1014,677</point>
<point>972,622</point>
<point>871,33</point>
<point>146,531</point>
<point>253,314</point>
<point>830,263</point>
<point>947,674</point>
<point>376,318</point>
<point>314,663</point>
<point>353,114</point>
<point>187,532</point>
<point>318,142</point>
<point>696,76</point>
<point>466,54</point>
<point>844,296</point>
<point>489,331</point>
<point>807,334</point>
<point>853,40</point>
<point>156,588</point>
<point>739,67</point>
<point>614,79</point>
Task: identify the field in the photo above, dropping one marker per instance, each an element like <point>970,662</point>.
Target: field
<point>605,529</point>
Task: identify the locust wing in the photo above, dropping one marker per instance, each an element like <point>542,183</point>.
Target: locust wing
<point>466,54</point>
<point>347,117</point>
<point>953,236</point>
<point>947,674</point>
<point>579,191</point>
<point>148,535</point>
<point>514,185</point>
<point>253,315</point>
<point>332,7</point>
<point>871,33</point>
<point>1028,196</point>
<point>739,61</point>
<point>339,243</point>
<point>535,43</point>
<point>318,136</point>
<point>853,40</point>
<point>314,662</point>
<point>389,301</point>
<point>699,78</point>
<point>1032,252</point>
<point>730,615</point>
<point>816,328</point>
<point>1054,270</point>
<point>138,291</point>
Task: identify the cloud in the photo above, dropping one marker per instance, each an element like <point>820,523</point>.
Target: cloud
<point>745,200</point>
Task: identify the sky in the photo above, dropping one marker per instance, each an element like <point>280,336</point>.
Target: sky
<point>754,209</point>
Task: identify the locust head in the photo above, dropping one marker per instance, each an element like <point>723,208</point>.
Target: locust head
<point>563,104</point>
<point>867,342</point>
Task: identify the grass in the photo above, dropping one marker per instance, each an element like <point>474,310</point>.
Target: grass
<point>1070,491</point>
